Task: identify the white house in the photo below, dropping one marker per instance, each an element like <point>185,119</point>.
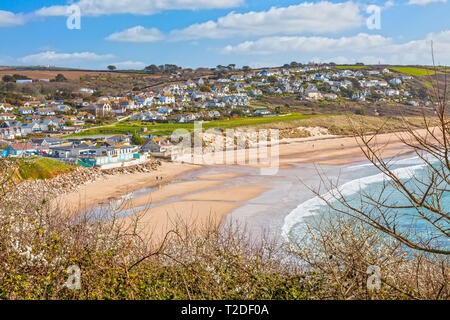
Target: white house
<point>6,107</point>
<point>166,99</point>
<point>7,117</point>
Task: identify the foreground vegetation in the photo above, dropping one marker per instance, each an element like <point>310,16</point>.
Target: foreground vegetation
<point>42,250</point>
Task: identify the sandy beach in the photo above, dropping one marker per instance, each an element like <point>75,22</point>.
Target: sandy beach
<point>154,223</point>
<point>210,197</point>
<point>113,187</point>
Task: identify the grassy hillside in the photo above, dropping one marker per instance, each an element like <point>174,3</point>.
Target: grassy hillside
<point>167,128</point>
<point>41,168</point>
<point>413,71</point>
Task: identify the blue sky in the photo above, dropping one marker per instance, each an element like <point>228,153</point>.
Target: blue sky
<point>194,33</point>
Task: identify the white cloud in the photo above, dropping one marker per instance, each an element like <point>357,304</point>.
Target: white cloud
<point>137,34</point>
<point>64,59</point>
<point>269,45</point>
<point>138,7</point>
<point>317,18</point>
<point>129,65</point>
<point>388,4</point>
<point>10,19</point>
<point>362,47</point>
<point>425,2</point>
<point>53,11</point>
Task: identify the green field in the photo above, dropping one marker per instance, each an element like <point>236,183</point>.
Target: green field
<point>165,129</point>
<point>41,168</point>
<point>413,71</point>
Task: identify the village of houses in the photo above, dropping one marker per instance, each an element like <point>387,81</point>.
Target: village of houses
<point>40,128</point>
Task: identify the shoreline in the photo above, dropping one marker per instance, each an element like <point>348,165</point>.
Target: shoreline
<point>217,195</point>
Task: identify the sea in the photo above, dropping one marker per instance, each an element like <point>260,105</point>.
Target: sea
<point>367,184</point>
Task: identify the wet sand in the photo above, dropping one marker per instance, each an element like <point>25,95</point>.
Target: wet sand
<point>154,223</point>
<point>113,187</point>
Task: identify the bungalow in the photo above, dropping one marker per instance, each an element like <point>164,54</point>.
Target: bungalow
<point>46,142</point>
<point>396,81</point>
<point>20,149</point>
<point>78,123</point>
<point>29,128</point>
<point>118,109</point>
<point>330,96</point>
<point>313,93</point>
<point>166,99</point>
<point>359,96</point>
<point>128,105</point>
<point>50,124</point>
<point>6,107</point>
<point>392,92</point>
<point>46,111</point>
<point>22,81</point>
<point>266,73</point>
<point>190,84</point>
<point>9,124</point>
<point>100,156</point>
<point>32,118</point>
<point>62,108</point>
<point>26,110</point>
<point>33,104</point>
<point>10,133</point>
<point>262,112</point>
<point>157,147</point>
<point>164,110</point>
<point>86,91</point>
<point>214,114</point>
<point>119,139</point>
<point>98,110</point>
<point>7,116</point>
<point>70,118</point>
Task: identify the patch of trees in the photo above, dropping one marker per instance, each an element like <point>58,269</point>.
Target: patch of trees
<point>205,88</point>
<point>14,78</point>
<point>272,79</point>
<point>60,78</point>
<point>166,68</point>
<point>348,93</point>
<point>230,67</point>
<point>137,140</point>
